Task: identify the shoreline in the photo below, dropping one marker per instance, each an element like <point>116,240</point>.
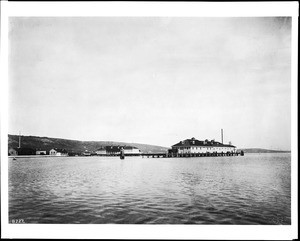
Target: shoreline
<point>45,156</point>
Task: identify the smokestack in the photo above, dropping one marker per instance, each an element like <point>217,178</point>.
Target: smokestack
<point>222,135</point>
<point>19,139</point>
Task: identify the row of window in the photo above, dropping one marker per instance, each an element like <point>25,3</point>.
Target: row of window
<point>209,148</point>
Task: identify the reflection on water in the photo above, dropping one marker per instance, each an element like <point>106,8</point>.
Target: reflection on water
<point>254,189</point>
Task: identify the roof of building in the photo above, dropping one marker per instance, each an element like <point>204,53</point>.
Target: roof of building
<point>195,142</point>
<point>113,148</point>
<point>102,148</point>
<point>130,147</point>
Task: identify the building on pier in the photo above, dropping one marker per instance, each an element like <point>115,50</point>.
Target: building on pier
<point>116,150</point>
<point>112,150</point>
<point>194,146</point>
<point>131,150</point>
<point>101,151</point>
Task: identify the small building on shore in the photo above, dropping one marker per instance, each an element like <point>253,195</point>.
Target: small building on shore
<point>194,146</point>
<point>12,152</point>
<point>41,152</point>
<point>58,152</point>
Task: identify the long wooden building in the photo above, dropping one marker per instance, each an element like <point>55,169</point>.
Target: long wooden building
<point>194,146</point>
<point>116,150</point>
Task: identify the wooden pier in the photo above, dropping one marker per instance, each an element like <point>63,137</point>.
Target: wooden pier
<point>170,155</point>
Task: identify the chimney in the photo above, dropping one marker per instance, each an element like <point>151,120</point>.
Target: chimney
<point>222,135</point>
<point>19,139</point>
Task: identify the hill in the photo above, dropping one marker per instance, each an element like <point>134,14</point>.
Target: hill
<point>260,150</point>
<point>47,143</point>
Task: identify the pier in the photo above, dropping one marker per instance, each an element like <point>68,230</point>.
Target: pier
<point>185,155</point>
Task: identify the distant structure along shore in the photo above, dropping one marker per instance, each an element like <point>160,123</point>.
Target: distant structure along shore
<point>111,150</point>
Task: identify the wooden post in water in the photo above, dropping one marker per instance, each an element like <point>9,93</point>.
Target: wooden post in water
<point>122,155</point>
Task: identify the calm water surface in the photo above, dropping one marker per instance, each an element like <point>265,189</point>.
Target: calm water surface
<point>253,189</point>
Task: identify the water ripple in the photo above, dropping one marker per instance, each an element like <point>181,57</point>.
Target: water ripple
<point>254,189</point>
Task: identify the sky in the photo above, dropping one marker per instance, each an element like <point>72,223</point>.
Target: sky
<point>152,80</point>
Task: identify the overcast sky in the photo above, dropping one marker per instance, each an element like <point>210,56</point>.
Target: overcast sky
<point>152,80</point>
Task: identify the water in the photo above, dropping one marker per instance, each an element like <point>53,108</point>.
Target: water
<point>253,189</point>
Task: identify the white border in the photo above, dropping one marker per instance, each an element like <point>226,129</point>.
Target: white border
<point>294,124</point>
<point>188,9</point>
<point>4,115</point>
<point>175,9</point>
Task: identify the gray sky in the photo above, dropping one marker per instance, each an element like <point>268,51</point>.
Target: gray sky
<point>152,80</point>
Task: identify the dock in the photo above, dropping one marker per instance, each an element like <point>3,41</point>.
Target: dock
<point>172,155</point>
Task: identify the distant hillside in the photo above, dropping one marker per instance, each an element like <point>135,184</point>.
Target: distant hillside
<point>46,143</point>
<point>260,150</point>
